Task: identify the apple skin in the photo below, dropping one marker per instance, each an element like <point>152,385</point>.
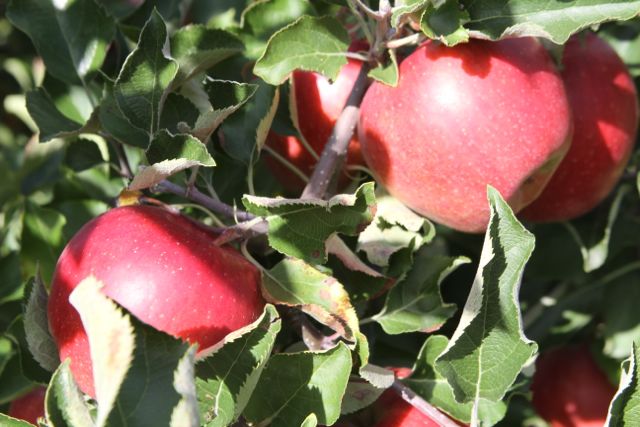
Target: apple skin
<point>570,390</point>
<point>605,108</point>
<point>29,407</point>
<point>318,104</point>
<point>463,117</point>
<point>161,267</point>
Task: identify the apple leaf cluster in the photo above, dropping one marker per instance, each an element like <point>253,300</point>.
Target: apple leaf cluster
<point>170,107</point>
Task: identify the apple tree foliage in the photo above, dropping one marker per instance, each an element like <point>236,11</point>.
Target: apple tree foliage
<point>107,101</point>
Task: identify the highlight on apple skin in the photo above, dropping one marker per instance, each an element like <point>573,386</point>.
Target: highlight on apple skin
<point>163,268</point>
<point>604,102</point>
<point>464,117</point>
<point>570,390</point>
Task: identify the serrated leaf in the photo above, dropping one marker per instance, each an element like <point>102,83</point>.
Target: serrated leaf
<point>170,154</point>
<point>185,413</point>
<point>300,384</point>
<point>415,304</point>
<point>50,121</point>
<point>244,133</point>
<point>387,73</point>
<point>145,77</point>
<point>336,246</point>
<point>595,255</point>
<point>111,342</point>
<point>7,421</point>
<point>394,227</point>
<point>555,20</point>
<point>36,326</point>
<point>488,348</point>
<point>434,388</point>
<point>116,124</point>
<point>359,394</point>
<point>179,114</point>
<point>71,36</point>
<point>225,97</point>
<point>403,8</point>
<point>301,227</point>
<point>64,403</point>
<point>293,282</point>
<point>625,406</point>
<point>227,378</point>
<point>444,22</point>
<point>197,48</point>
<point>29,368</point>
<point>309,43</point>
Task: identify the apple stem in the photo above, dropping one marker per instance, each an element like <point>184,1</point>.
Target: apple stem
<point>416,38</point>
<point>336,149</point>
<point>377,15</point>
<point>422,405</point>
<point>196,196</point>
<point>125,168</point>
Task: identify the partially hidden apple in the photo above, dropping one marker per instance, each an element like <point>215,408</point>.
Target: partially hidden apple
<point>605,109</point>
<point>317,104</point>
<point>570,390</point>
<point>464,117</point>
<point>29,407</point>
<point>161,267</point>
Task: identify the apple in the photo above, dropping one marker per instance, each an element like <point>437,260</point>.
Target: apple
<point>570,390</point>
<point>317,103</point>
<point>164,269</point>
<point>29,407</point>
<point>398,413</point>
<point>464,117</point>
<point>604,101</point>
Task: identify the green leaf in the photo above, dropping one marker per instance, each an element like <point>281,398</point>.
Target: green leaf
<point>555,20</point>
<point>625,39</point>
<point>83,154</point>
<point>227,378</point>
<point>244,133</point>
<point>625,407</point>
<point>444,22</point>
<point>300,228</point>
<point>387,73</point>
<point>310,421</point>
<point>621,318</point>
<point>114,122</point>
<point>50,121</point>
<point>294,283</point>
<point>29,367</point>
<point>406,8</point>
<point>111,342</point>
<point>127,357</point>
<point>121,9</point>
<point>434,388</point>
<point>198,48</point>
<point>488,349</point>
<point>415,304</point>
<point>168,155</point>
<point>227,97</point>
<point>64,403</point>
<point>7,421</point>
<point>42,238</point>
<point>595,255</point>
<point>312,44</point>
<point>394,227</point>
<point>360,393</point>
<point>71,36</point>
<point>36,326</point>
<point>300,384</point>
<point>179,114</point>
<point>145,77</point>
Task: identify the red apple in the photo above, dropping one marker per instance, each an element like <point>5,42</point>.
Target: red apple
<point>570,390</point>
<point>398,413</point>
<point>317,104</point>
<point>161,267</point>
<point>29,407</point>
<point>464,117</point>
<point>605,109</point>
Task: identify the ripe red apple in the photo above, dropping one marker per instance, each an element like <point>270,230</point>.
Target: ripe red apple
<point>605,110</point>
<point>398,413</point>
<point>161,267</point>
<point>463,117</point>
<point>318,104</point>
<point>569,390</point>
<point>29,407</point>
